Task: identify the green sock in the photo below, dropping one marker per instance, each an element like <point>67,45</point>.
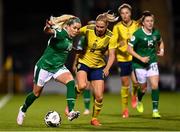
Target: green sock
<point>87,94</point>
<point>140,94</point>
<point>71,95</point>
<point>29,100</point>
<point>155,98</point>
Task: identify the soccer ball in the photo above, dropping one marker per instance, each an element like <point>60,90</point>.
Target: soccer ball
<point>52,119</point>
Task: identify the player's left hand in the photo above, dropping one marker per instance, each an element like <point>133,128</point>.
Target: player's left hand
<point>106,72</point>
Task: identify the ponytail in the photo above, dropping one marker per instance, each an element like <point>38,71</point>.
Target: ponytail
<point>106,17</point>
<point>61,21</point>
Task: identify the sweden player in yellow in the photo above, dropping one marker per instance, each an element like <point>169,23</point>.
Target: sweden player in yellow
<point>122,31</point>
<point>81,42</point>
<point>92,64</point>
<point>97,46</point>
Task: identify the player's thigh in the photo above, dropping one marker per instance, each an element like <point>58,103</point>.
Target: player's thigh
<point>63,75</point>
<point>125,69</point>
<point>81,75</point>
<point>141,75</point>
<point>88,85</point>
<point>41,76</point>
<point>154,81</point>
<point>153,75</point>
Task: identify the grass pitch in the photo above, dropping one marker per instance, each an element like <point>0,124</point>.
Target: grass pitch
<point>110,115</point>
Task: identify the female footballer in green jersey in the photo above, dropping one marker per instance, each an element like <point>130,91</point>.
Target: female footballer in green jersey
<point>123,31</point>
<point>92,66</point>
<point>52,63</point>
<point>145,46</point>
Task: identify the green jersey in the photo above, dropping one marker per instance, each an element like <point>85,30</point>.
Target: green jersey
<point>81,42</point>
<point>56,53</point>
<point>145,45</point>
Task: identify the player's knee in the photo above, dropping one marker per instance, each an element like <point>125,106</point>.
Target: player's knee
<point>37,94</point>
<point>99,98</point>
<point>125,83</point>
<point>143,88</point>
<point>37,91</point>
<point>154,86</point>
<point>82,86</point>
<point>135,84</point>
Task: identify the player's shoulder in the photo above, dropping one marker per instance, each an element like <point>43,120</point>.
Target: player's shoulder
<point>118,24</point>
<point>134,22</point>
<point>61,32</point>
<point>138,31</point>
<point>156,31</point>
<point>90,27</point>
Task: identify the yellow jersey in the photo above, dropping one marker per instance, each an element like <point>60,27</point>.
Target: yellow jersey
<point>94,54</point>
<point>122,34</point>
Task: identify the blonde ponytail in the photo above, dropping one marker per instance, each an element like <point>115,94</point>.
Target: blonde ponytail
<point>107,17</point>
<point>60,21</point>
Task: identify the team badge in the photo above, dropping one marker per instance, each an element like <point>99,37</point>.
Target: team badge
<point>133,38</point>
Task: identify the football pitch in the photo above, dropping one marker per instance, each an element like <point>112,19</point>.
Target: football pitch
<point>110,115</point>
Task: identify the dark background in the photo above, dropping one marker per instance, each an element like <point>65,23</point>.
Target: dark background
<point>24,20</point>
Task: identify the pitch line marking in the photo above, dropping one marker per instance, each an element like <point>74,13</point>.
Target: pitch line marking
<point>4,100</point>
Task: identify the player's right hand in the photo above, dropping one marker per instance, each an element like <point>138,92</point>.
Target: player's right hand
<point>145,59</point>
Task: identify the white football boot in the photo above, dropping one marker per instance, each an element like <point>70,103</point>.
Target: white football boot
<point>20,117</point>
<point>73,115</point>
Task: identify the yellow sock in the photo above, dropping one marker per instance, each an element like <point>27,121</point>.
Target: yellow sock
<point>96,108</point>
<point>124,97</point>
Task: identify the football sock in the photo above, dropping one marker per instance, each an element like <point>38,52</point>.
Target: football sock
<point>124,97</point>
<point>155,98</point>
<point>87,94</point>
<point>96,108</point>
<point>29,100</point>
<point>140,94</point>
<point>71,95</point>
<point>135,88</point>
